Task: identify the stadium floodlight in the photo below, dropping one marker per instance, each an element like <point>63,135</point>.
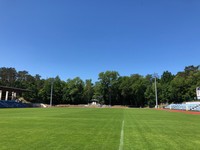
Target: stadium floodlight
<point>155,75</point>
<point>51,92</point>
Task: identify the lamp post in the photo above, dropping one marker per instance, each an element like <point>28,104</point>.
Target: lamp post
<point>155,75</point>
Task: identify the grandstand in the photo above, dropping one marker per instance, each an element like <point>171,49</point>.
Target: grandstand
<point>8,97</point>
<point>12,104</point>
<point>188,106</point>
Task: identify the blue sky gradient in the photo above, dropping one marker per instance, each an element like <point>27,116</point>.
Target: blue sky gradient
<point>73,38</point>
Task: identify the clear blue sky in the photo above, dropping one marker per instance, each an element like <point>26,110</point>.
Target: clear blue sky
<point>82,38</point>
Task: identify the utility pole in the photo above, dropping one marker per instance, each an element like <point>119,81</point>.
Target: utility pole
<point>156,95</point>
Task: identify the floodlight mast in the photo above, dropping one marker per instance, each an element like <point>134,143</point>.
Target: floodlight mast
<point>51,93</point>
<point>109,94</point>
<point>156,94</point>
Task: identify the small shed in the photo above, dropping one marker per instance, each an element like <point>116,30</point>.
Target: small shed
<point>94,102</point>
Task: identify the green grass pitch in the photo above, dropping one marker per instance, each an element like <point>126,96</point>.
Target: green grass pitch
<point>97,129</point>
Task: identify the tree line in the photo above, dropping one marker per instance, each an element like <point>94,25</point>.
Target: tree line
<point>111,88</point>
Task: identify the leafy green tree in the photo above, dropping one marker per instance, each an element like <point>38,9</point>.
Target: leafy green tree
<point>7,76</point>
<point>179,89</point>
<point>150,96</point>
<point>88,90</point>
<point>98,93</point>
<point>111,88</point>
<point>184,84</point>
<point>58,86</point>
<point>108,81</point>
<point>73,91</point>
<point>165,94</point>
<point>166,77</point>
<point>45,92</point>
<point>149,93</point>
<point>125,89</point>
<point>138,89</point>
